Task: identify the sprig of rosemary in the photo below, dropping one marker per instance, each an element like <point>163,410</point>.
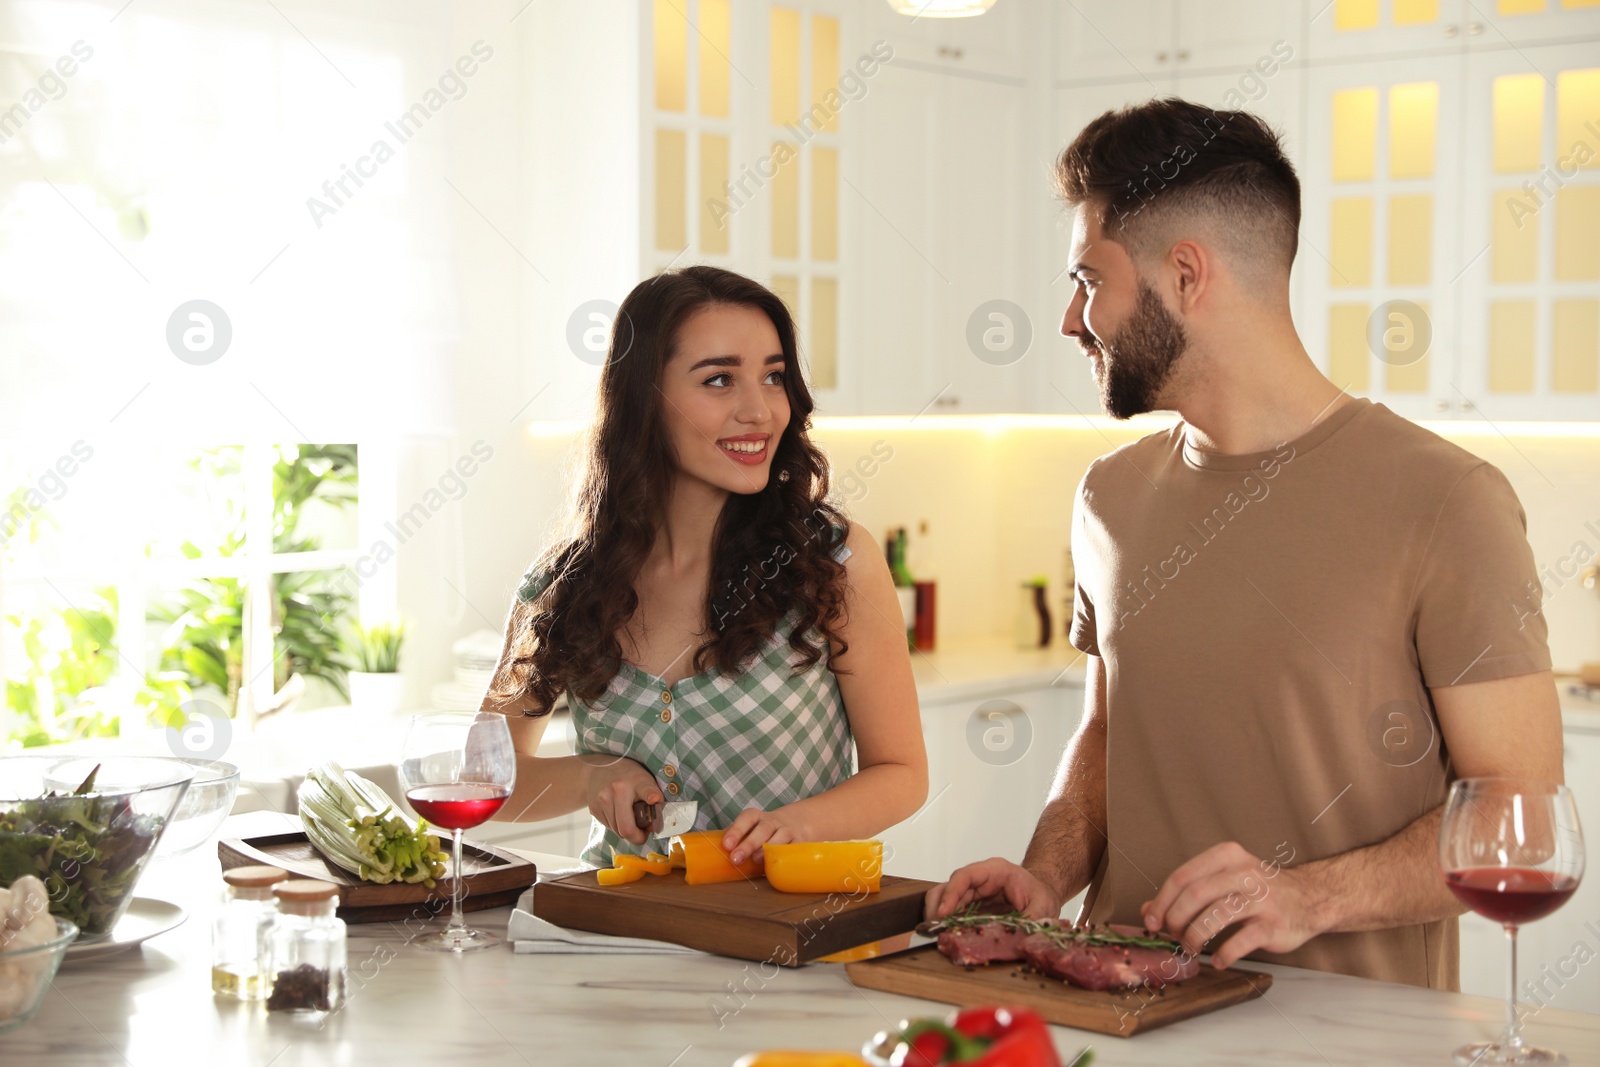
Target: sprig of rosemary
<point>970,918</point>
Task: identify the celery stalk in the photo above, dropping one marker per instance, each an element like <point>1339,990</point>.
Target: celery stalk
<point>357,828</point>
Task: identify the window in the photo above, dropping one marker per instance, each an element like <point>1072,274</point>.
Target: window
<point>225,575</point>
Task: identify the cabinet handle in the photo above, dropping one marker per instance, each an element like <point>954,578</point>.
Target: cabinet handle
<point>1183,54</point>
<point>946,52</point>
<point>1441,405</point>
<point>1161,57</point>
<point>1474,28</point>
<point>1451,31</point>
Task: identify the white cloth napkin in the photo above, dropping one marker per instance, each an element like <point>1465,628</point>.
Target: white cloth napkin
<point>530,934</point>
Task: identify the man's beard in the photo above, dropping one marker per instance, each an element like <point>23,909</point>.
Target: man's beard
<point>1136,363</point>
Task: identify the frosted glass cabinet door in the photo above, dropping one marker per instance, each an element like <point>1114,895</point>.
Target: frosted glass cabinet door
<point>1495,24</point>
<point>1380,254</point>
<point>1368,29</point>
<point>1530,226</point>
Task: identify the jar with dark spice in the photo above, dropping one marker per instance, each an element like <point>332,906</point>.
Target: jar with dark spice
<point>306,948</point>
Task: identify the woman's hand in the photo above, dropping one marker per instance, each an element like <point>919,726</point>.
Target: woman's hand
<point>754,828</point>
<point>615,783</point>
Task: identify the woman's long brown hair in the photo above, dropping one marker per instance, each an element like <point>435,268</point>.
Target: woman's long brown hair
<point>771,551</point>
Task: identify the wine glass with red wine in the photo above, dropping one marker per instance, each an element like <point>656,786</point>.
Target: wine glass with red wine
<point>1512,851</point>
<point>457,770</point>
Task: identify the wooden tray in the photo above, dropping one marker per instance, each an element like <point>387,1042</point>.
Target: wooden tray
<point>747,920</point>
<point>923,972</point>
<point>494,878</point>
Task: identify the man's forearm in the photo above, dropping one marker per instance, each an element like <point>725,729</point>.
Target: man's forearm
<point>1393,883</point>
<point>1071,835</point>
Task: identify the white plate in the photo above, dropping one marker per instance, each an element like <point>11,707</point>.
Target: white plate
<point>145,918</point>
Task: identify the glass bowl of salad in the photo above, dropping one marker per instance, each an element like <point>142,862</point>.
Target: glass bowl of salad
<point>85,827</point>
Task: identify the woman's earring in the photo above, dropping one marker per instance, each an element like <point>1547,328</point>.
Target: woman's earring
<point>783,476</point>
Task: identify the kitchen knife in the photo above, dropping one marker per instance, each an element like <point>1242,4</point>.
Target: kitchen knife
<point>666,820</point>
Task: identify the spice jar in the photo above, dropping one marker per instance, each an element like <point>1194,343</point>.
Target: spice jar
<point>239,934</point>
<point>306,948</point>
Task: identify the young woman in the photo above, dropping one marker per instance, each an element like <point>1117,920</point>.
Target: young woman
<point>718,630</point>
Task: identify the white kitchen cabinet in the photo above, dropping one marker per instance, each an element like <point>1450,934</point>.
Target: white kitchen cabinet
<point>944,201</point>
<point>936,194</point>
<point>1551,953</point>
<point>1371,29</point>
<point>1232,36</point>
<point>1123,41</point>
<point>993,45</point>
<point>1380,236</point>
<point>1517,23</point>
<point>990,762</point>
<point>1529,293</point>
<point>1154,40</point>
<point>1062,379</point>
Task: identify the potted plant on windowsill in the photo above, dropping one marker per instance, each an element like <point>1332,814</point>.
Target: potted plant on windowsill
<point>375,680</point>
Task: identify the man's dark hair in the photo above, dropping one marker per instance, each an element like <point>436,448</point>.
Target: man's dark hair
<point>1167,169</point>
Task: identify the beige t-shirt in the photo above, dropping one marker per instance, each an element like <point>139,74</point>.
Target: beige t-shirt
<point>1270,626</point>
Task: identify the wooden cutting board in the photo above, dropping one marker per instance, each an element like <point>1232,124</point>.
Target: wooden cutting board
<point>923,972</point>
<point>494,878</point>
<point>747,919</point>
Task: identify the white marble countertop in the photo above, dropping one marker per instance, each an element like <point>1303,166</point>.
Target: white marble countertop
<point>153,1006</point>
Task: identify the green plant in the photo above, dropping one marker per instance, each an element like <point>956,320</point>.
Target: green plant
<point>205,638</point>
<point>376,649</point>
<point>56,688</point>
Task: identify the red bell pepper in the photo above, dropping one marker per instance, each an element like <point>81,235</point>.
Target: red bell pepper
<point>978,1037</point>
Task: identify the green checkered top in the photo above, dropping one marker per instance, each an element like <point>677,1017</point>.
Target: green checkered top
<point>767,736</point>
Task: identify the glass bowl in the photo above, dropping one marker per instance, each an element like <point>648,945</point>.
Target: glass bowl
<point>25,974</point>
<point>89,849</point>
<point>204,806</point>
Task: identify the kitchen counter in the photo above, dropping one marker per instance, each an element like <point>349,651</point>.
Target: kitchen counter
<point>992,666</point>
<point>153,1006</point>
<point>1580,710</point>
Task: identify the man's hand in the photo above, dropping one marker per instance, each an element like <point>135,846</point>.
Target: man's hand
<point>993,879</point>
<point>1280,908</point>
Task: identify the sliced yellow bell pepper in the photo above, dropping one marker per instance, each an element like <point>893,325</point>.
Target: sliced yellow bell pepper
<point>619,875</point>
<point>705,862</point>
<point>825,866</point>
<point>675,854</point>
<point>653,863</point>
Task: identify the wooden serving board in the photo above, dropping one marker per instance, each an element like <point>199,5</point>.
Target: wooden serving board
<point>746,919</point>
<point>923,972</point>
<point>493,878</point>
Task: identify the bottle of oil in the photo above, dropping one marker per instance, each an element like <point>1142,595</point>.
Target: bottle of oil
<point>238,937</point>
